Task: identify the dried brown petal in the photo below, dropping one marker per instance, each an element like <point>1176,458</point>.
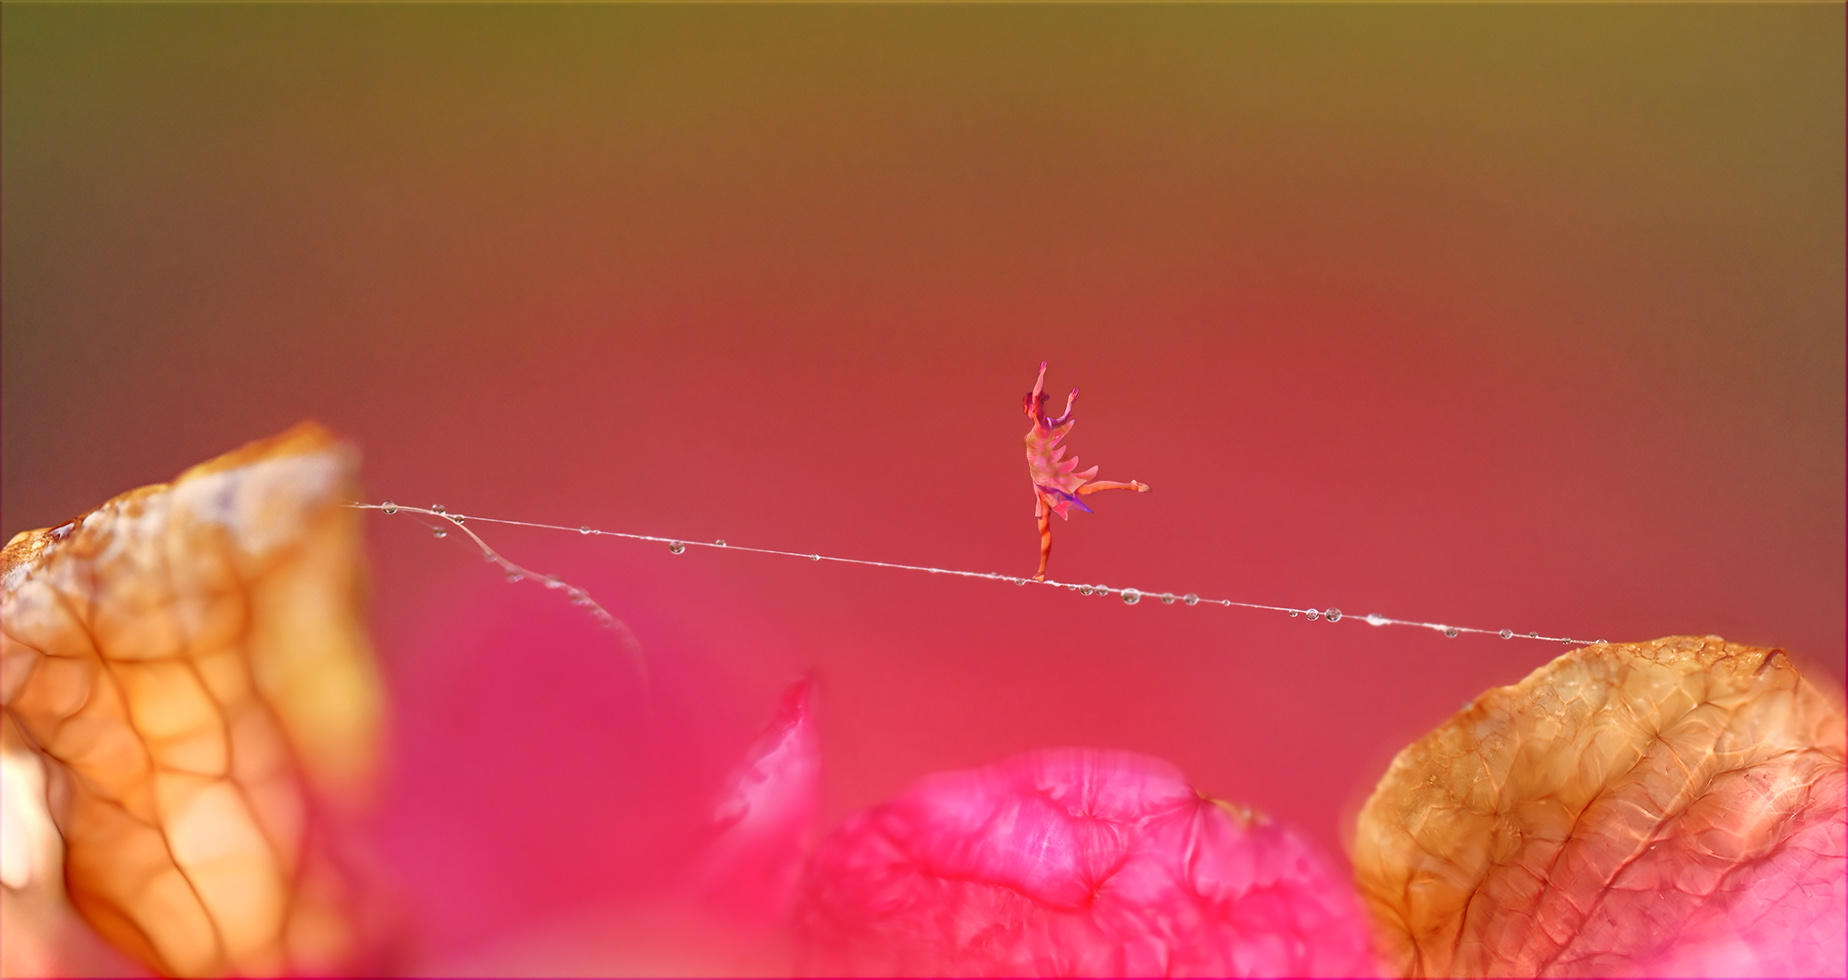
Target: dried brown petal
<point>190,662</point>
<point>1663,808</point>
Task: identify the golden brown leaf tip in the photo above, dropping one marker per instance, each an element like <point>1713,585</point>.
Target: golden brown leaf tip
<point>1667,808</point>
<point>190,663</point>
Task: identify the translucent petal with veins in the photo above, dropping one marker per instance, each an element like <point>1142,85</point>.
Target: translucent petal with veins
<point>1074,862</point>
<point>1671,808</point>
<point>190,662</point>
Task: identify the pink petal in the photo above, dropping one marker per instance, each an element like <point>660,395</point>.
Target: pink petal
<point>749,872</point>
<point>1074,861</point>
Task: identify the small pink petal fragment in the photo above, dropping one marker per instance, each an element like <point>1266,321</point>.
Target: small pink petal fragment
<point>1074,862</point>
<point>749,872</point>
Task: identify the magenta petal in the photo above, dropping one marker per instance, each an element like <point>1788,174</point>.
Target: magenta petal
<point>1074,861</point>
<point>749,872</point>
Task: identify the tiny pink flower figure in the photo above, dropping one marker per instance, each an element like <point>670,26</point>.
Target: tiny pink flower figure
<point>1074,862</point>
<point>1056,488</point>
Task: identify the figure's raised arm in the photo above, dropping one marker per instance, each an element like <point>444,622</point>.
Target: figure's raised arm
<point>1067,417</point>
<point>1034,402</point>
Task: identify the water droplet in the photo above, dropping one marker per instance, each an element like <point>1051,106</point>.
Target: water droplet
<point>1131,597</point>
<point>552,582</point>
<point>1507,634</point>
<point>676,547</point>
<point>1312,614</point>
<point>585,529</point>
<point>814,558</point>
<point>1084,590</point>
<point>437,532</point>
<point>1020,581</point>
<point>1293,614</point>
<point>514,576</point>
<point>1535,635</point>
<point>720,542</point>
<point>1375,619</point>
<point>1190,598</point>
<point>388,507</point>
<point>1600,641</point>
<point>436,508</point>
<point>1450,631</point>
<point>1568,641</point>
<point>1167,598</point>
<point>1334,615</point>
<point>457,519</point>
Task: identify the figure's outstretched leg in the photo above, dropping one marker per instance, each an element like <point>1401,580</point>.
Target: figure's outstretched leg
<point>1114,485</point>
<point>1045,525</point>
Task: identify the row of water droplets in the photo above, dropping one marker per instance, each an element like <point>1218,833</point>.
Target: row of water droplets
<point>1130,596</point>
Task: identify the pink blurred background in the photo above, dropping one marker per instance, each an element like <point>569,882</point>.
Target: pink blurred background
<point>1525,317</point>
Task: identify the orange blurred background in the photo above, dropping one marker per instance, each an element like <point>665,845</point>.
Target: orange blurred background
<point>1508,316</point>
